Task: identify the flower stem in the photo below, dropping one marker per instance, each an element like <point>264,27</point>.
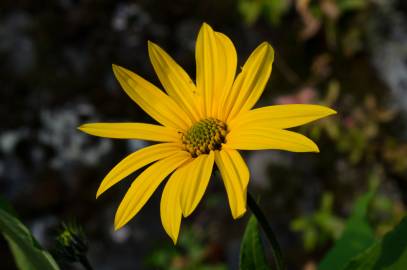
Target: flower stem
<point>85,263</point>
<point>261,218</point>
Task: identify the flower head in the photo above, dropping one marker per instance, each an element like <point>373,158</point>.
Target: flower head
<point>202,123</point>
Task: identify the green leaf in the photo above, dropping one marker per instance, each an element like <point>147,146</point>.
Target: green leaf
<point>27,252</point>
<point>250,10</point>
<point>251,251</point>
<point>6,206</point>
<point>388,254</point>
<point>357,236</point>
<point>352,5</point>
<point>276,9</point>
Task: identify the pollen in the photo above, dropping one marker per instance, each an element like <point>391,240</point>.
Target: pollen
<point>204,136</point>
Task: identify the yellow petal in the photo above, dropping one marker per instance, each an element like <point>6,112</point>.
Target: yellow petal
<point>226,70</point>
<point>135,161</point>
<point>175,80</point>
<point>280,116</point>
<point>269,138</point>
<point>215,67</point>
<point>137,131</point>
<point>196,179</point>
<point>152,100</point>
<point>144,185</point>
<point>251,81</point>
<point>235,175</point>
<point>170,208</point>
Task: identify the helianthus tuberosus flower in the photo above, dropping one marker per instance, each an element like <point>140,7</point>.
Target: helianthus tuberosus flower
<point>202,124</point>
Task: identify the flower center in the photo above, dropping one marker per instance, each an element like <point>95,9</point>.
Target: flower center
<point>204,136</point>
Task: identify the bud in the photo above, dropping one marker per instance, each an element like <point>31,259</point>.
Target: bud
<point>72,244</point>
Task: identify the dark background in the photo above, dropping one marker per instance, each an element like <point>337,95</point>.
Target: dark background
<point>55,74</point>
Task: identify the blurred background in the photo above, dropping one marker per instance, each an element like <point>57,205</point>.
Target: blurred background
<point>55,74</point>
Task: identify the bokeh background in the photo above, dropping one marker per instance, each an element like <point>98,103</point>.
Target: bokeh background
<point>55,74</point>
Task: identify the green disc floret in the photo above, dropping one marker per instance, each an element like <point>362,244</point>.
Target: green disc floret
<point>204,136</point>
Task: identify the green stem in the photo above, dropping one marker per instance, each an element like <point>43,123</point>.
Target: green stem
<point>85,263</point>
<point>261,218</point>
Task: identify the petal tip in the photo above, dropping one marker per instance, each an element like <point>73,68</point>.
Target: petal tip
<point>119,220</point>
<point>118,224</point>
<point>103,187</point>
<point>312,147</point>
<point>115,67</point>
<point>239,214</point>
<point>265,44</point>
<point>324,111</point>
<point>174,239</point>
<point>331,112</point>
<point>99,192</point>
<point>84,128</point>
<point>151,45</point>
<point>266,49</point>
<point>206,27</point>
<point>118,69</point>
<point>270,50</point>
<point>153,49</point>
<point>186,212</point>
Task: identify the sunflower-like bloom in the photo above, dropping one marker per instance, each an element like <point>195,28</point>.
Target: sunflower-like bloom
<point>202,124</point>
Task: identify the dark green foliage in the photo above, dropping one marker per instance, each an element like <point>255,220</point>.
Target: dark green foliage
<point>27,252</point>
<point>356,237</point>
<point>252,252</point>
<point>390,253</point>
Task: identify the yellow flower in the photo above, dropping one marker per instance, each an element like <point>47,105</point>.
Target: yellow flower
<point>202,123</point>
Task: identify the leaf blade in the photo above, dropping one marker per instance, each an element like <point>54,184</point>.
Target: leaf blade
<point>252,253</point>
<point>357,236</point>
<point>27,252</point>
<point>388,254</point>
